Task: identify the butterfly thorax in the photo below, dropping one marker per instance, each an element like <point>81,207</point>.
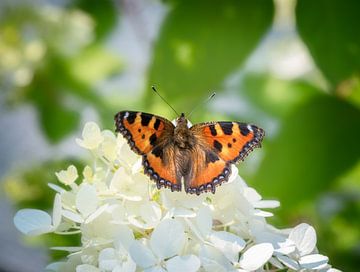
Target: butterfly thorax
<point>183,137</point>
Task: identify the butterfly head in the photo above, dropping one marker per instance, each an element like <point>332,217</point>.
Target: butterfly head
<point>181,121</point>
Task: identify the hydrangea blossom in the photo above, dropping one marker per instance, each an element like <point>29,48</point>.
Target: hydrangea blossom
<point>126,224</point>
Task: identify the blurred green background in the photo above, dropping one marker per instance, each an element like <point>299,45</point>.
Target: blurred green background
<point>291,67</point>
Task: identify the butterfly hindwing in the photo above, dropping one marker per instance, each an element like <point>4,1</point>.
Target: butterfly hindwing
<point>208,171</point>
<point>148,135</point>
<point>160,166</point>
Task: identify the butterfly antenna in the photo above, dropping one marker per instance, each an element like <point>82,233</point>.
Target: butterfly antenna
<point>163,99</point>
<point>200,104</point>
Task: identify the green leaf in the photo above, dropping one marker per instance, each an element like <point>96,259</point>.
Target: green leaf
<point>104,13</point>
<point>316,144</point>
<point>202,42</point>
<point>57,121</point>
<point>57,118</point>
<point>331,31</point>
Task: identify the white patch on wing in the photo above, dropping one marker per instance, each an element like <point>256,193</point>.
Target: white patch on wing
<point>249,128</point>
<point>126,115</point>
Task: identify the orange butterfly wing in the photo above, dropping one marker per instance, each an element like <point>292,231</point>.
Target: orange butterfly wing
<point>219,145</point>
<point>208,171</point>
<point>148,135</point>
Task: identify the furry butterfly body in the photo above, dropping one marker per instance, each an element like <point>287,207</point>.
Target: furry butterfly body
<point>198,158</point>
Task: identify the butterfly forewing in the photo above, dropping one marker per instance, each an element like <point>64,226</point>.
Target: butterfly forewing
<point>148,135</point>
<point>232,141</point>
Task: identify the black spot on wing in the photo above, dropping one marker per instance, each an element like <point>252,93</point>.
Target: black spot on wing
<point>153,139</point>
<point>210,156</point>
<point>229,145</point>
<point>145,119</point>
<point>217,145</point>
<point>131,117</point>
<point>212,130</point>
<point>157,151</point>
<point>243,129</point>
<point>226,127</point>
<point>157,124</point>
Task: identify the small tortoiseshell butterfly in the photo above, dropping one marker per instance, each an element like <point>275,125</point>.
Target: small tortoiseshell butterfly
<point>199,156</point>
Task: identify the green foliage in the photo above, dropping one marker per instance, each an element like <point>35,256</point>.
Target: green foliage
<point>201,42</point>
<point>103,12</point>
<point>310,151</point>
<point>331,31</point>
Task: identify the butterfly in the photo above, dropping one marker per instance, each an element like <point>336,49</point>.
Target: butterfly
<point>197,157</point>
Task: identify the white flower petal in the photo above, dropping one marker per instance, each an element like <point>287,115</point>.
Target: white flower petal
<point>124,237</point>
<point>107,259</point>
<point>75,217</point>
<point>155,269</point>
<point>56,267</point>
<point>189,263</point>
<point>145,216</point>
<point>96,213</point>
<point>142,255</point>
<point>56,217</point>
<point>229,244</point>
<point>251,194</point>
<point>168,238</point>
<point>68,249</point>
<point>67,176</point>
<point>87,268</point>
<point>263,204</point>
<point>180,200</point>
<point>181,212</point>
<point>108,146</point>
<point>204,221</point>
<point>280,243</point>
<point>275,262</point>
<point>213,260</point>
<point>86,199</point>
<point>292,264</point>
<point>256,256</point>
<point>137,167</point>
<point>262,213</point>
<point>313,261</point>
<point>118,213</point>
<point>127,265</point>
<point>304,237</point>
<point>92,136</point>
<point>151,213</point>
<point>88,174</point>
<point>33,222</point>
<point>130,187</point>
<point>56,188</point>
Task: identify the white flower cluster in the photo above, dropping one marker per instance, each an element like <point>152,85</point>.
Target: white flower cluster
<point>126,224</point>
<point>42,28</point>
